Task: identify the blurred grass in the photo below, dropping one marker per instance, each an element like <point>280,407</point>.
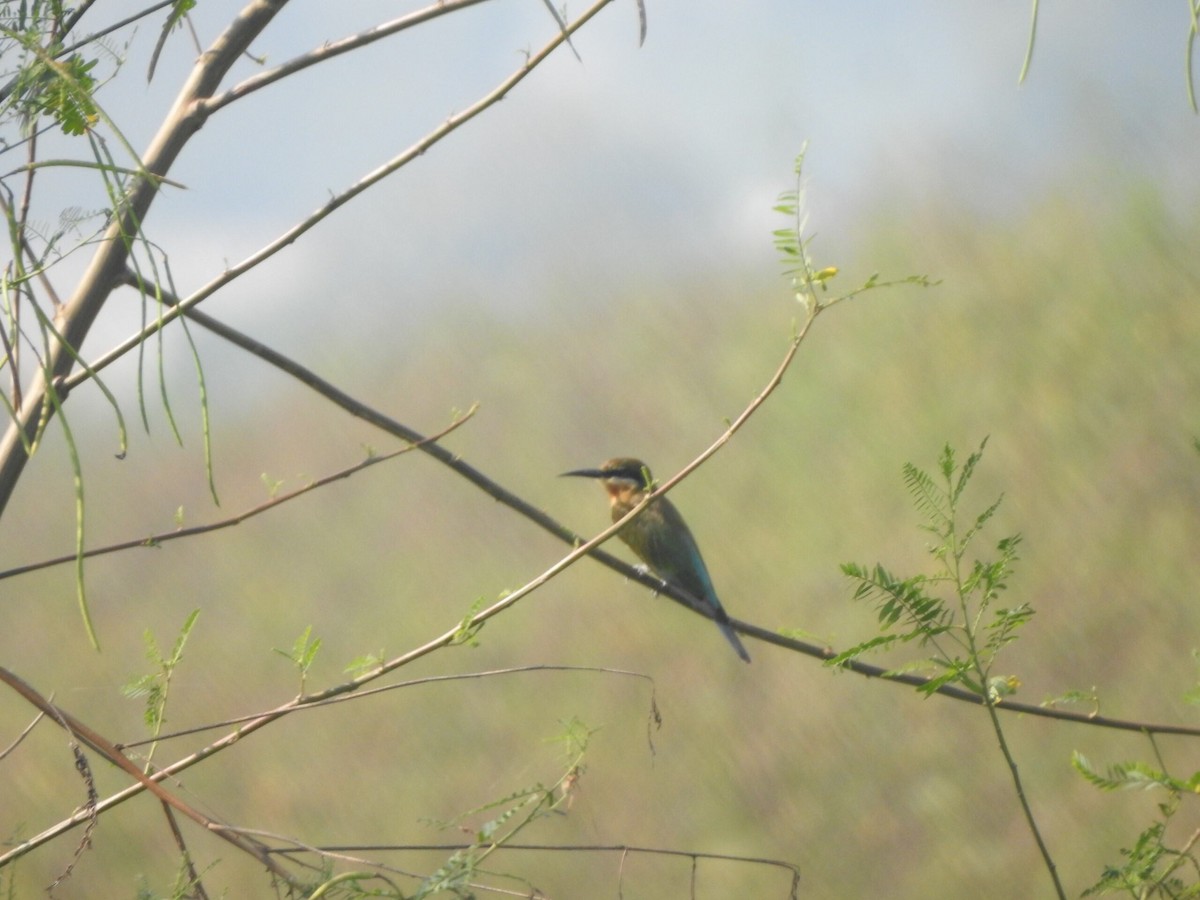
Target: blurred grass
<point>1071,337</point>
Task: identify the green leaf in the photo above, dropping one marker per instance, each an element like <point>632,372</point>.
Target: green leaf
<point>468,631</point>
<point>365,663</point>
<point>139,686</point>
<point>188,624</point>
<point>980,521</point>
<point>968,470</point>
<point>574,737</point>
<point>1127,776</point>
<point>303,652</point>
<point>946,461</point>
<point>272,485</point>
<point>927,496</point>
<point>875,643</point>
<point>931,686</point>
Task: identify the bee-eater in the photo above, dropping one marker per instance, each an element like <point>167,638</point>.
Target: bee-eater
<point>660,537</point>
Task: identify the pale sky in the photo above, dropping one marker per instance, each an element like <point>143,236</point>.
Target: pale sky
<point>644,162</point>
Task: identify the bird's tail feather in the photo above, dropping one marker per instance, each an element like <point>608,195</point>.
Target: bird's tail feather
<point>731,636</point>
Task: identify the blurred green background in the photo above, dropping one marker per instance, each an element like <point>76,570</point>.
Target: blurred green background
<point>591,262</point>
<point>1069,334</point>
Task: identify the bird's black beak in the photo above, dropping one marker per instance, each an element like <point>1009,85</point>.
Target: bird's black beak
<point>586,473</point>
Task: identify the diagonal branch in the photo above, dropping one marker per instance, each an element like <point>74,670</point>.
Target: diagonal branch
<point>588,548</point>
<point>552,526</point>
<point>334,49</point>
<point>446,639</point>
<point>452,124</point>
<point>401,685</point>
<point>393,427</point>
<point>109,751</point>
<point>107,264</point>
<point>156,540</point>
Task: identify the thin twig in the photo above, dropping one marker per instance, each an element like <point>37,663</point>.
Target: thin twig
<point>195,885</point>
<point>298,847</point>
<point>332,50</point>
<point>101,745</point>
<point>20,737</point>
<point>623,849</point>
<point>586,548</point>
<point>446,639</point>
<point>157,540</point>
<point>84,768</point>
<point>550,525</point>
<point>1023,800</point>
<point>113,250</point>
<point>452,124</point>
<point>414,682</point>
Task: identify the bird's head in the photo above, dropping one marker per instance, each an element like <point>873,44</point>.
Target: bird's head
<point>622,477</point>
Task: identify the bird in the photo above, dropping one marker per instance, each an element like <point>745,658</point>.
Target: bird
<point>659,537</point>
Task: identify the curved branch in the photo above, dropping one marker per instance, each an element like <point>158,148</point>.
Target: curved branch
<point>552,526</point>
<point>588,548</point>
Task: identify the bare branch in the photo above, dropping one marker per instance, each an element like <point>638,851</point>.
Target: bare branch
<point>414,682</point>
<point>444,640</point>
<point>693,855</point>
<point>540,518</point>
<point>158,539</point>
<point>452,124</point>
<point>109,751</point>
<point>20,737</point>
<point>334,49</point>
<point>441,454</point>
<point>194,882</point>
<point>107,264</point>
<point>588,548</point>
